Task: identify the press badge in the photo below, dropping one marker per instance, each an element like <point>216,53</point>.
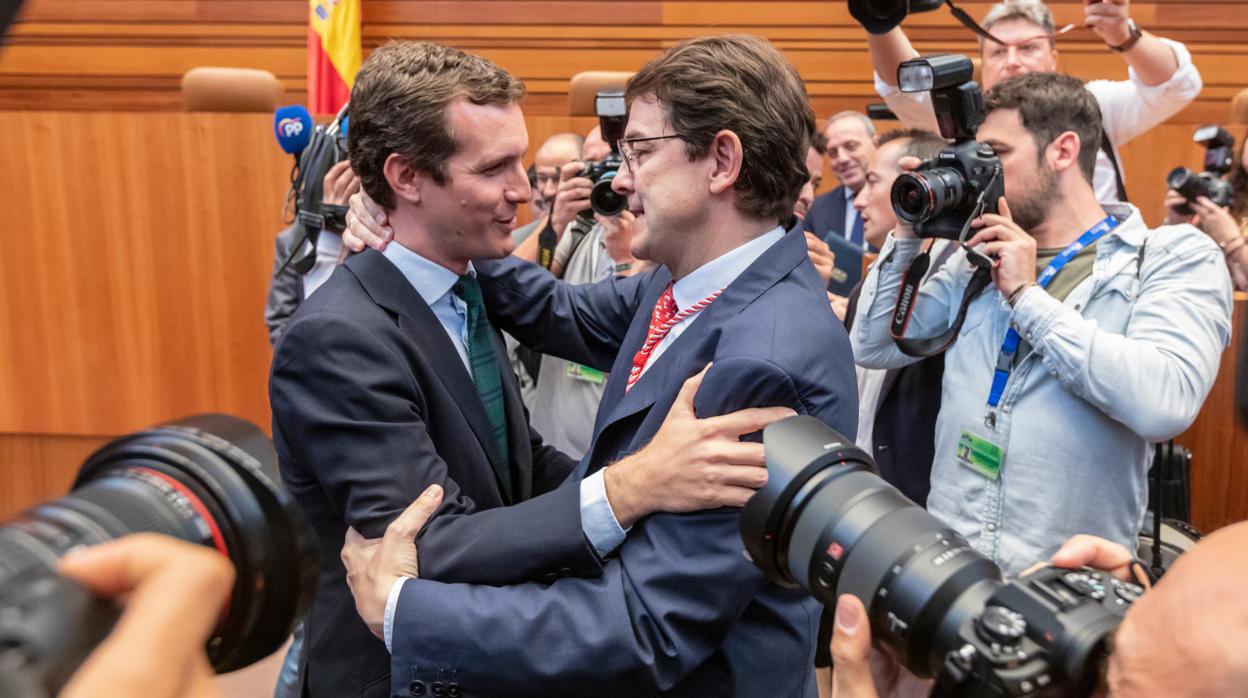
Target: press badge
<point>979,452</point>
<point>585,373</point>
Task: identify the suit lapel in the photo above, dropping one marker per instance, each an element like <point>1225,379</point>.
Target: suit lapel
<point>390,290</point>
<point>838,211</point>
<point>688,353</point>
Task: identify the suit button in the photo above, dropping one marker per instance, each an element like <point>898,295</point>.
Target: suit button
<point>453,690</point>
<point>549,578</point>
<point>416,688</point>
<point>438,689</point>
<point>565,572</point>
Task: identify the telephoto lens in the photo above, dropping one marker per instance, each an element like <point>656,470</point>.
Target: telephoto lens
<point>826,522</point>
<point>209,480</point>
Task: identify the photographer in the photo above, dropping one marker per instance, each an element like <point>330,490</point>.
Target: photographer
<point>1118,352</point>
<point>567,394</point>
<point>557,151</point>
<point>1162,79</point>
<point>1225,225</point>
<point>287,287</point>
<point>1183,638</point>
<point>572,199</point>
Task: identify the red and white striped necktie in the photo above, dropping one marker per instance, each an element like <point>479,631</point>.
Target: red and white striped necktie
<point>662,320</point>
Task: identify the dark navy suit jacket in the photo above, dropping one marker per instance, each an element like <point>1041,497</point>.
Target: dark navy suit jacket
<point>371,404</point>
<point>826,216</point>
<point>680,610</point>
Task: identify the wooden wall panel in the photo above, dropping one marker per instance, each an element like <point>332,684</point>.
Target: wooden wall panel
<point>38,467</point>
<point>110,55</point>
<point>135,268</point>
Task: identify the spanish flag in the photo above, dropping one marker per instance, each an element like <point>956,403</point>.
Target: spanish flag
<point>333,53</point>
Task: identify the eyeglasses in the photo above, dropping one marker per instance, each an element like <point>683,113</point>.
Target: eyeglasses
<point>625,146</point>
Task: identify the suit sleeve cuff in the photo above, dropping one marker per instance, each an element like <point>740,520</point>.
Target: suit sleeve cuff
<point>392,602</point>
<point>598,521</point>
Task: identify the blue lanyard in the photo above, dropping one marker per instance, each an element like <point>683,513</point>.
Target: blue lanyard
<point>1005,360</point>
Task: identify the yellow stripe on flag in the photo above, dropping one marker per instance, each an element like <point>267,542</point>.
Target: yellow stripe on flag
<point>337,22</point>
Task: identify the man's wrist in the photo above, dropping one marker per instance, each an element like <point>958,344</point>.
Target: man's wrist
<point>1017,294</point>
<point>620,493</point>
<point>1130,36</point>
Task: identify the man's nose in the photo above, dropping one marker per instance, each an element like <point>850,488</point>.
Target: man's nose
<point>623,181</point>
<point>519,190</point>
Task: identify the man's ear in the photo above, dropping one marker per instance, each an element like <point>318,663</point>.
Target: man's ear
<point>1063,152</point>
<point>405,180</point>
<point>726,156</point>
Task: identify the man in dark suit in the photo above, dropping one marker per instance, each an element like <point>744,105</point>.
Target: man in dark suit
<point>711,174</point>
<point>390,377</point>
<point>851,142</point>
<point>898,407</point>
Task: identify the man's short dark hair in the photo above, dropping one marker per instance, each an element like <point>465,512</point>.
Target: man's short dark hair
<point>742,84</point>
<point>920,143</point>
<point>399,105</point>
<point>1050,104</point>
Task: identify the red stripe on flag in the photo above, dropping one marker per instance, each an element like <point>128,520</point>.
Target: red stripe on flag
<point>326,90</point>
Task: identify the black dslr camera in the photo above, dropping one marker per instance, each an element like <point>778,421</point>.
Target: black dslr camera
<point>942,196</point>
<point>612,118</point>
<point>826,522</point>
<point>210,480</point>
<point>1219,157</point>
<point>880,16</point>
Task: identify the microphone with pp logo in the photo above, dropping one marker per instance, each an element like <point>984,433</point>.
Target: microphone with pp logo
<point>293,127</point>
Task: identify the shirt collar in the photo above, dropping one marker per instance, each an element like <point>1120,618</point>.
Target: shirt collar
<point>329,243</point>
<point>1131,227</point>
<point>430,279</point>
<point>723,270</point>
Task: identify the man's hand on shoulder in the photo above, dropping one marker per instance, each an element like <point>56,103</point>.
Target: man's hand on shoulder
<point>692,464</point>
<point>367,224</point>
<point>373,566</point>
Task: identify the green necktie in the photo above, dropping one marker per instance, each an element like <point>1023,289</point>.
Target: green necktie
<point>481,357</point>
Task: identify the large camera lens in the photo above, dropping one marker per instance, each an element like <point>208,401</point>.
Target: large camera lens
<point>924,194</point>
<point>209,480</point>
<point>605,200</point>
<point>827,523</point>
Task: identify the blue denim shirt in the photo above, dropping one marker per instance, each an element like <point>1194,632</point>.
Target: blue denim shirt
<point>1126,360</point>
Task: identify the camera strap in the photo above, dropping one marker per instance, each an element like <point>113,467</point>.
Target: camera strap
<point>1108,148</point>
<point>909,295</point>
<point>546,241</point>
<point>965,20</point>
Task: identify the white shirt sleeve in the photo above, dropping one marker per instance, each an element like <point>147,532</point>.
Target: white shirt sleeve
<point>392,601</point>
<point>913,109</point>
<point>1130,107</point>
